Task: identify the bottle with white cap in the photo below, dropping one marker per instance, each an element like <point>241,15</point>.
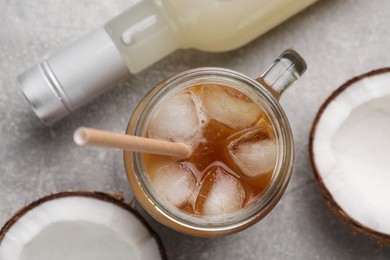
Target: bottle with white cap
<point>140,36</point>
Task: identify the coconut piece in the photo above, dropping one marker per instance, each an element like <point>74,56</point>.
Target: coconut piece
<point>78,225</point>
<point>350,153</point>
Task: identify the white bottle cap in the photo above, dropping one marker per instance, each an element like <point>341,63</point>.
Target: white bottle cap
<point>73,76</point>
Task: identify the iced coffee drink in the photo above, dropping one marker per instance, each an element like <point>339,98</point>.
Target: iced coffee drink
<point>233,150</point>
<point>241,141</point>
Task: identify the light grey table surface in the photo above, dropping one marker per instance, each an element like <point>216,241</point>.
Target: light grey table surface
<point>339,40</point>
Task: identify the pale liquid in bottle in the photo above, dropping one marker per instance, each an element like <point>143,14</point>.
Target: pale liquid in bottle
<point>152,29</point>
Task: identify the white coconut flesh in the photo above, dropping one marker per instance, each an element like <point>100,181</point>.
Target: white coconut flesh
<point>351,151</point>
<point>78,228</point>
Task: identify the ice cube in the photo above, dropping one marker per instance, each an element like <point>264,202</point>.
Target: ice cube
<point>255,152</point>
<point>178,120</point>
<point>230,107</point>
<point>221,193</point>
<point>174,183</point>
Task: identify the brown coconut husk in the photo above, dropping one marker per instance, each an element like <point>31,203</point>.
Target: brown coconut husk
<point>116,199</point>
<point>381,238</point>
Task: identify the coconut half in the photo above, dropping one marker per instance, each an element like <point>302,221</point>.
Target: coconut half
<point>78,226</point>
<point>350,153</point>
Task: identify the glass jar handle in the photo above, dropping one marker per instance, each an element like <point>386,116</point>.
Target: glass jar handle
<point>284,71</point>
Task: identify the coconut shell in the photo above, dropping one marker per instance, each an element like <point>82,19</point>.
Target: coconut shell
<point>116,199</point>
<point>381,238</point>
